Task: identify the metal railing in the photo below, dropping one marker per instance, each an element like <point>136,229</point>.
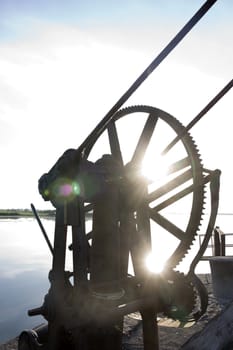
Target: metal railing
<point>219,242</point>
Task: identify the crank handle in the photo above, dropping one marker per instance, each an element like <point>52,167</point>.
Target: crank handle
<point>37,311</point>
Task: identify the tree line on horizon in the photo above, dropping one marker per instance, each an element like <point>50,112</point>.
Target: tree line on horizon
<point>25,212</point>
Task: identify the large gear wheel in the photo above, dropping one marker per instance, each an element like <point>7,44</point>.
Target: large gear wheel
<point>141,134</point>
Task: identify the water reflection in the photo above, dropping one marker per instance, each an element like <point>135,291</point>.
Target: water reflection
<point>24,264</point>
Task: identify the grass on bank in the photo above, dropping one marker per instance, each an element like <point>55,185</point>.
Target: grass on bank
<point>25,213</point>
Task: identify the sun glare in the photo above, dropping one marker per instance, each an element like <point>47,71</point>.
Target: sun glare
<point>155,263</point>
<point>155,168</point>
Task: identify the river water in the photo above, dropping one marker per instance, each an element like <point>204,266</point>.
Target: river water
<point>24,264</point>
<point>25,261</point>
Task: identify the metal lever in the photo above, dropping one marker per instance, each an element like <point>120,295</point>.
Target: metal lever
<point>42,228</point>
<point>154,64</point>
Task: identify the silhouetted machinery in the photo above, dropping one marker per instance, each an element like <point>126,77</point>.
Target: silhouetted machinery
<point>118,216</point>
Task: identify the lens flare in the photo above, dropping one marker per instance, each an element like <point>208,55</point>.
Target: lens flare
<point>66,189</point>
<point>76,188</point>
<point>46,193</point>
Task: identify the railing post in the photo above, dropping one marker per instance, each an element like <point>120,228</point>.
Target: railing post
<point>223,244</point>
<point>219,242</point>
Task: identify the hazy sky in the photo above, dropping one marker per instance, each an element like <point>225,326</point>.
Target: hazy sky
<point>63,64</point>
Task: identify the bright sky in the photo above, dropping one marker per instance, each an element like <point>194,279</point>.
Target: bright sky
<point>64,64</point>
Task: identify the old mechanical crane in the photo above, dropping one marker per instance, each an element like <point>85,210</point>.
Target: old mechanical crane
<point>101,182</point>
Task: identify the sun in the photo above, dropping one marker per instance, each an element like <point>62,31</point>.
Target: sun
<point>155,168</point>
<point>154,263</point>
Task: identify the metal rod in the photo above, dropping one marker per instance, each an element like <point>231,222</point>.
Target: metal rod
<point>200,115</point>
<point>163,54</point>
<point>210,105</point>
<point>42,228</point>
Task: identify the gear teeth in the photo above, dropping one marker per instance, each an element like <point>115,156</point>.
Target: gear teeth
<point>182,296</point>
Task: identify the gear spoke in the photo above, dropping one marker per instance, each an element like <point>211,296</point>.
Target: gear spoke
<point>171,200</point>
<point>179,195</point>
<point>144,139</point>
<point>169,186</point>
<point>179,165</point>
<point>114,142</point>
<point>166,224</point>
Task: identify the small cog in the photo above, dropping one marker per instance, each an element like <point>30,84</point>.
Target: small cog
<point>178,296</point>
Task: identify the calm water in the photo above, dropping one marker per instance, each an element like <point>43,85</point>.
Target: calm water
<point>24,264</point>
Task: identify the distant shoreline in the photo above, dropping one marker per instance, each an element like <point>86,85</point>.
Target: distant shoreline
<point>17,213</point>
